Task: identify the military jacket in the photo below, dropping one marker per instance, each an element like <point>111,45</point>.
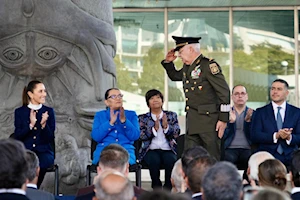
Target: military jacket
<point>206,91</point>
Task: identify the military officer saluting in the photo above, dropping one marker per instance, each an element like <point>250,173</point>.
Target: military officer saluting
<point>206,91</point>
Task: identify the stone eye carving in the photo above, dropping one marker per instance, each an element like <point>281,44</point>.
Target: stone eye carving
<point>47,53</point>
<point>13,54</point>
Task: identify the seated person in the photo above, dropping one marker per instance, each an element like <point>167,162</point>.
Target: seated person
<point>115,125</point>
<point>295,175</point>
<point>272,173</point>
<point>159,130</point>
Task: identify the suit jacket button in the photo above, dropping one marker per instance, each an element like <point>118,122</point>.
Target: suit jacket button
<point>192,88</point>
<point>186,99</point>
<point>35,128</point>
<point>33,145</point>
<point>34,137</point>
<point>207,113</point>
<point>186,90</point>
<point>187,107</point>
<point>187,81</point>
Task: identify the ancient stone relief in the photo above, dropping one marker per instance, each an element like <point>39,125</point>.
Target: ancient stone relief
<point>69,45</point>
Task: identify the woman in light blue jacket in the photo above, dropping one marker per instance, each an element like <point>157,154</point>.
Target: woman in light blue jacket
<point>115,125</point>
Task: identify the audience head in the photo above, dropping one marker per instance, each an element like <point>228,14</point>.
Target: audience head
<point>13,167</point>
<point>222,182</point>
<point>272,173</point>
<point>178,184</point>
<point>115,157</point>
<point>113,98</point>
<point>154,99</point>
<point>270,194</point>
<point>295,168</point>
<point>112,185</point>
<point>33,166</point>
<point>163,195</point>
<point>32,92</point>
<point>190,154</point>
<point>195,171</point>
<point>254,162</point>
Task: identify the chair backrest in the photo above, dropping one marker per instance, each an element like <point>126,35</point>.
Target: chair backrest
<point>180,145</point>
<point>93,148</point>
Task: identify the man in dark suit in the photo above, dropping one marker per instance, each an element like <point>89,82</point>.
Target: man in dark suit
<point>112,157</point>
<point>13,169</point>
<point>32,175</point>
<point>276,126</point>
<point>236,137</point>
<point>206,91</point>
<point>295,175</point>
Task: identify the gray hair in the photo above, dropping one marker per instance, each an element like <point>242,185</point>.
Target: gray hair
<point>33,164</point>
<point>196,46</point>
<point>255,160</point>
<point>222,182</point>
<point>268,193</point>
<point>177,175</point>
<point>126,189</point>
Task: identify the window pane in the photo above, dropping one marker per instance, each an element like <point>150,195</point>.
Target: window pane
<point>140,46</point>
<point>263,52</point>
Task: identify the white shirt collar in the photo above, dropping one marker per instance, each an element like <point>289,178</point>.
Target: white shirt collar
<point>154,116</point>
<point>196,194</point>
<point>275,106</point>
<point>13,190</point>
<point>34,107</point>
<point>31,185</point>
<point>295,189</point>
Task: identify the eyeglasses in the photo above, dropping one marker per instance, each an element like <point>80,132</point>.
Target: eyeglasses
<point>119,96</point>
<point>240,94</point>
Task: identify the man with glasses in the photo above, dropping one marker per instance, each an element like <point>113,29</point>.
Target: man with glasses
<point>236,137</point>
<point>207,94</point>
<point>276,126</point>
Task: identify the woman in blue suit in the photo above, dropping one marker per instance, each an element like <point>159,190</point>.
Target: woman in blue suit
<point>35,125</point>
<point>115,125</point>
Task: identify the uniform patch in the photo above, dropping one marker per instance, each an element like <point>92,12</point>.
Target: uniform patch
<point>214,68</point>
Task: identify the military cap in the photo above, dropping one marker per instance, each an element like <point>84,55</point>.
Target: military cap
<point>182,41</point>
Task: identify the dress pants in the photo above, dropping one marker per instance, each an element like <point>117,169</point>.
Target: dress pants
<point>154,160</point>
<point>238,156</point>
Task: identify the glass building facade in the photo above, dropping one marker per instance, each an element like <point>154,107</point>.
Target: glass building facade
<point>253,46</point>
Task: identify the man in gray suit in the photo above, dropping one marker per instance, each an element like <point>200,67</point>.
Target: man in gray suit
<point>32,174</point>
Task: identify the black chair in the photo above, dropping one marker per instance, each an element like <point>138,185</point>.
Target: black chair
<point>54,168</point>
<point>93,168</point>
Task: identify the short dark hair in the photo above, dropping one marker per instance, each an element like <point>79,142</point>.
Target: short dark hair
<point>222,182</point>
<point>114,156</point>
<point>107,92</point>
<point>13,167</point>
<point>196,169</point>
<point>281,81</point>
<point>190,154</point>
<point>152,93</point>
<point>295,168</point>
<point>33,164</point>
<point>237,86</point>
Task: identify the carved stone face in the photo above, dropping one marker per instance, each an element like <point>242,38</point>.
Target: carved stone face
<point>33,54</point>
<point>67,45</point>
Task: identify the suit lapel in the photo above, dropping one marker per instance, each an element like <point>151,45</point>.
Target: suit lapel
<point>287,116</point>
<point>271,115</point>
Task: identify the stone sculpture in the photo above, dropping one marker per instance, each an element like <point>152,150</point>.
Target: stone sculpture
<point>69,45</point>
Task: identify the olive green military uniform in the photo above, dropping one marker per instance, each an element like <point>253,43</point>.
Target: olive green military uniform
<point>207,101</point>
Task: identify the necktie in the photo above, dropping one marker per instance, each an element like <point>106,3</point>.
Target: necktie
<point>279,126</point>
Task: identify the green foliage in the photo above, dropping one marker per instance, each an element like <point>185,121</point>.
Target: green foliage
<point>124,79</point>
